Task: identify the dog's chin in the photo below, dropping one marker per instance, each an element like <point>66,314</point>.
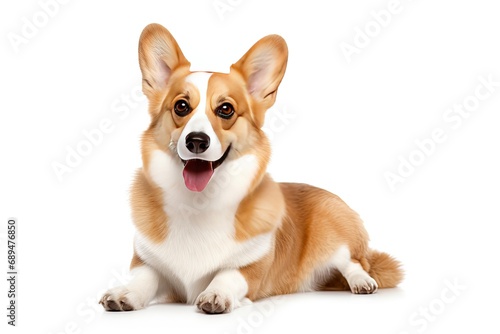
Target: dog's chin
<point>197,172</point>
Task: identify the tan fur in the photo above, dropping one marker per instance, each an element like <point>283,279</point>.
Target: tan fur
<point>147,211</point>
<point>384,269</point>
<point>136,261</point>
<point>315,225</point>
<point>309,224</point>
<point>261,211</point>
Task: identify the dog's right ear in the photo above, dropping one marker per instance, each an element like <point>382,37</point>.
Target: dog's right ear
<point>159,56</point>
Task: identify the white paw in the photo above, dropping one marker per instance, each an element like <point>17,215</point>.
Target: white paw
<point>362,284</point>
<point>121,299</point>
<point>216,301</point>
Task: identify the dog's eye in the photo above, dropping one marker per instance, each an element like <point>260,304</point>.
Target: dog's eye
<point>182,108</point>
<point>225,110</point>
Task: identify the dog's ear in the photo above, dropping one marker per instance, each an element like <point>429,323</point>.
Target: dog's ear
<point>159,56</point>
<point>263,67</point>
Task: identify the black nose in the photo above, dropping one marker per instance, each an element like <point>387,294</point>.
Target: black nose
<point>197,142</point>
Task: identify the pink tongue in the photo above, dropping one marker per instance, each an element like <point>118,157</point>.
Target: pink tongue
<point>197,173</point>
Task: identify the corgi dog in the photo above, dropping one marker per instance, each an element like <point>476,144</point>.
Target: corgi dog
<point>213,228</point>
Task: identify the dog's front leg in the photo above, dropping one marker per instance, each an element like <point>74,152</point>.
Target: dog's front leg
<point>137,294</point>
<point>226,292</point>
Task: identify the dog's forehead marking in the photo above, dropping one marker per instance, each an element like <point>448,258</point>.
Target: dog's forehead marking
<point>199,121</point>
<point>200,81</point>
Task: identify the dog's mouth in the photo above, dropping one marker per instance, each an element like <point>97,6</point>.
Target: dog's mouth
<point>197,172</point>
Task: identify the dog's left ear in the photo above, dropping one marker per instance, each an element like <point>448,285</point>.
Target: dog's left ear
<point>263,67</point>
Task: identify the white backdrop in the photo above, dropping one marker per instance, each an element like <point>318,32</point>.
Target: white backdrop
<point>393,105</point>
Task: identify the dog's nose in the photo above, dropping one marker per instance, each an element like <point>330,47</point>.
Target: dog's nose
<point>197,142</point>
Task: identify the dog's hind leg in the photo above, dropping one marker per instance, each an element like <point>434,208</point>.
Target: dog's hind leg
<point>360,282</point>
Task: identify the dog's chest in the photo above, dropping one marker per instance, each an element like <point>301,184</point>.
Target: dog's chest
<point>195,249</point>
<point>200,232</point>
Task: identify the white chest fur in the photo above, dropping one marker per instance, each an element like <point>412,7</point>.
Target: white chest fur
<point>189,257</point>
<point>200,239</point>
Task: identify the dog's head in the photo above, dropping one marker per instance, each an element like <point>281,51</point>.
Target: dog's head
<point>204,119</point>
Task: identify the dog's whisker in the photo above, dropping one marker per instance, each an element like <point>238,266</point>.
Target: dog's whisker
<point>172,145</point>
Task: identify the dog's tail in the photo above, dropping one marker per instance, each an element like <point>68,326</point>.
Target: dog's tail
<point>384,269</point>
